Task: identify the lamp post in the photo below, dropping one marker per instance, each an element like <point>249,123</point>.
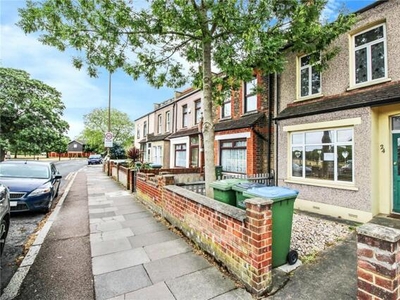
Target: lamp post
<point>109,109</point>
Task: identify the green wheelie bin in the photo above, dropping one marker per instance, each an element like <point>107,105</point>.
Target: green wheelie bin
<point>223,190</point>
<point>242,187</point>
<point>282,216</point>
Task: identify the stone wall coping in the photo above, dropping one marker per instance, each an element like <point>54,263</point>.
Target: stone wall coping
<point>226,209</point>
<point>380,232</point>
<point>259,201</point>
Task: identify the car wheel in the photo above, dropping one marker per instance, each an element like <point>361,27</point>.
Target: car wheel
<point>48,208</point>
<point>3,231</point>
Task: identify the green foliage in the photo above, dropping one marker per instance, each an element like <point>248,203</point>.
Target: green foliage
<point>96,125</point>
<point>242,34</point>
<point>30,113</point>
<point>154,38</point>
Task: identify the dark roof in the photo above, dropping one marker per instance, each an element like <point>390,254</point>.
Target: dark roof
<point>385,94</point>
<point>185,132</point>
<point>155,138</point>
<point>243,122</point>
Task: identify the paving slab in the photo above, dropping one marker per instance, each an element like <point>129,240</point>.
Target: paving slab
<point>175,266</point>
<point>119,260</point>
<point>152,238</point>
<point>158,291</point>
<point>120,282</point>
<point>110,235</point>
<point>108,247</point>
<point>144,225</point>
<point>138,215</point>
<point>205,284</point>
<point>167,249</point>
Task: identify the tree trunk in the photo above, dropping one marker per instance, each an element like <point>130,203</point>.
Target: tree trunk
<point>208,124</point>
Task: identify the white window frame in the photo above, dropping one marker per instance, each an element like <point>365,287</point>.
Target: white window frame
<point>309,67</point>
<point>168,121</point>
<point>234,148</point>
<point>248,92</point>
<point>229,111</point>
<point>159,118</point>
<point>369,81</point>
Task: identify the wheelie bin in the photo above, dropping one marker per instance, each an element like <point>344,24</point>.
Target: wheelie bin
<point>242,187</point>
<point>223,190</point>
<point>282,216</point>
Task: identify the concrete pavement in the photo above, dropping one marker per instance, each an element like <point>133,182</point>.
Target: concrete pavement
<point>104,244</point>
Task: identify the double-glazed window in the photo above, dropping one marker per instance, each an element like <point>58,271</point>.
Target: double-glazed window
<point>194,151</point>
<point>138,133</point>
<point>370,55</point>
<point>197,108</point>
<point>323,154</point>
<point>168,121</point>
<point>310,78</point>
<point>180,155</point>
<point>233,155</point>
<point>226,108</point>
<point>144,129</point>
<point>159,120</point>
<point>250,95</point>
<point>157,155</point>
<point>185,116</point>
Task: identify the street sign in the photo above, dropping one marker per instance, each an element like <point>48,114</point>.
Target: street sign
<point>108,140</point>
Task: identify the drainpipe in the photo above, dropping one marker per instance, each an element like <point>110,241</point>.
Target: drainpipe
<point>276,108</point>
<point>269,122</point>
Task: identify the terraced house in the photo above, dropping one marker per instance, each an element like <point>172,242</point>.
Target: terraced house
<point>339,130</point>
<point>171,134</point>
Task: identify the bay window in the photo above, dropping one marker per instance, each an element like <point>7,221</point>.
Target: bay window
<point>233,155</point>
<point>180,155</point>
<point>323,154</point>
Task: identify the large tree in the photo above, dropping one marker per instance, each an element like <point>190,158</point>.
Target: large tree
<point>149,38</point>
<point>30,114</point>
<point>96,125</point>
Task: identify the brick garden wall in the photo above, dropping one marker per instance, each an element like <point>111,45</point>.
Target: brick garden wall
<point>378,267</point>
<point>240,240</point>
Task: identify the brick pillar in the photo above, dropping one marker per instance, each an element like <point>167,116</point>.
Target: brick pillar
<point>258,236</point>
<point>164,180</point>
<point>378,251</point>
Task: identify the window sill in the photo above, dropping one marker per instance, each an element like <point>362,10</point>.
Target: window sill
<point>250,112</point>
<point>319,95</point>
<point>369,83</point>
<point>321,183</point>
<point>225,118</point>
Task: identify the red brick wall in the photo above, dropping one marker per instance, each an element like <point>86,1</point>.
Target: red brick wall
<point>378,251</point>
<point>241,240</point>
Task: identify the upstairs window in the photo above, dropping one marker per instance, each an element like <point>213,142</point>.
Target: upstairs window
<point>168,121</point>
<point>370,55</point>
<point>310,78</point>
<point>144,129</point>
<point>159,124</point>
<point>250,95</point>
<point>185,116</point>
<point>226,108</point>
<point>197,108</point>
<point>138,133</point>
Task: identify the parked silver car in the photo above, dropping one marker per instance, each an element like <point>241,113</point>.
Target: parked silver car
<point>4,215</point>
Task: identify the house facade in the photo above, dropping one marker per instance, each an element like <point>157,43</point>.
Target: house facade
<point>170,135</point>
<point>244,131</point>
<point>339,130</point>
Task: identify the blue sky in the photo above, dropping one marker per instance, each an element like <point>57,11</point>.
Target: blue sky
<point>80,93</point>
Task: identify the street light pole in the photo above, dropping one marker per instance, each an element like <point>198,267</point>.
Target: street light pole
<point>109,109</point>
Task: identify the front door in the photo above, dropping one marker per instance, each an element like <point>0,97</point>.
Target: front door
<point>396,172</point>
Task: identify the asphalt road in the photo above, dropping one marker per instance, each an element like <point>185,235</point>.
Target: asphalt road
<point>23,225</point>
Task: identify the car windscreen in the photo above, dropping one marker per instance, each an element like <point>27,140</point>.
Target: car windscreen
<point>24,171</point>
